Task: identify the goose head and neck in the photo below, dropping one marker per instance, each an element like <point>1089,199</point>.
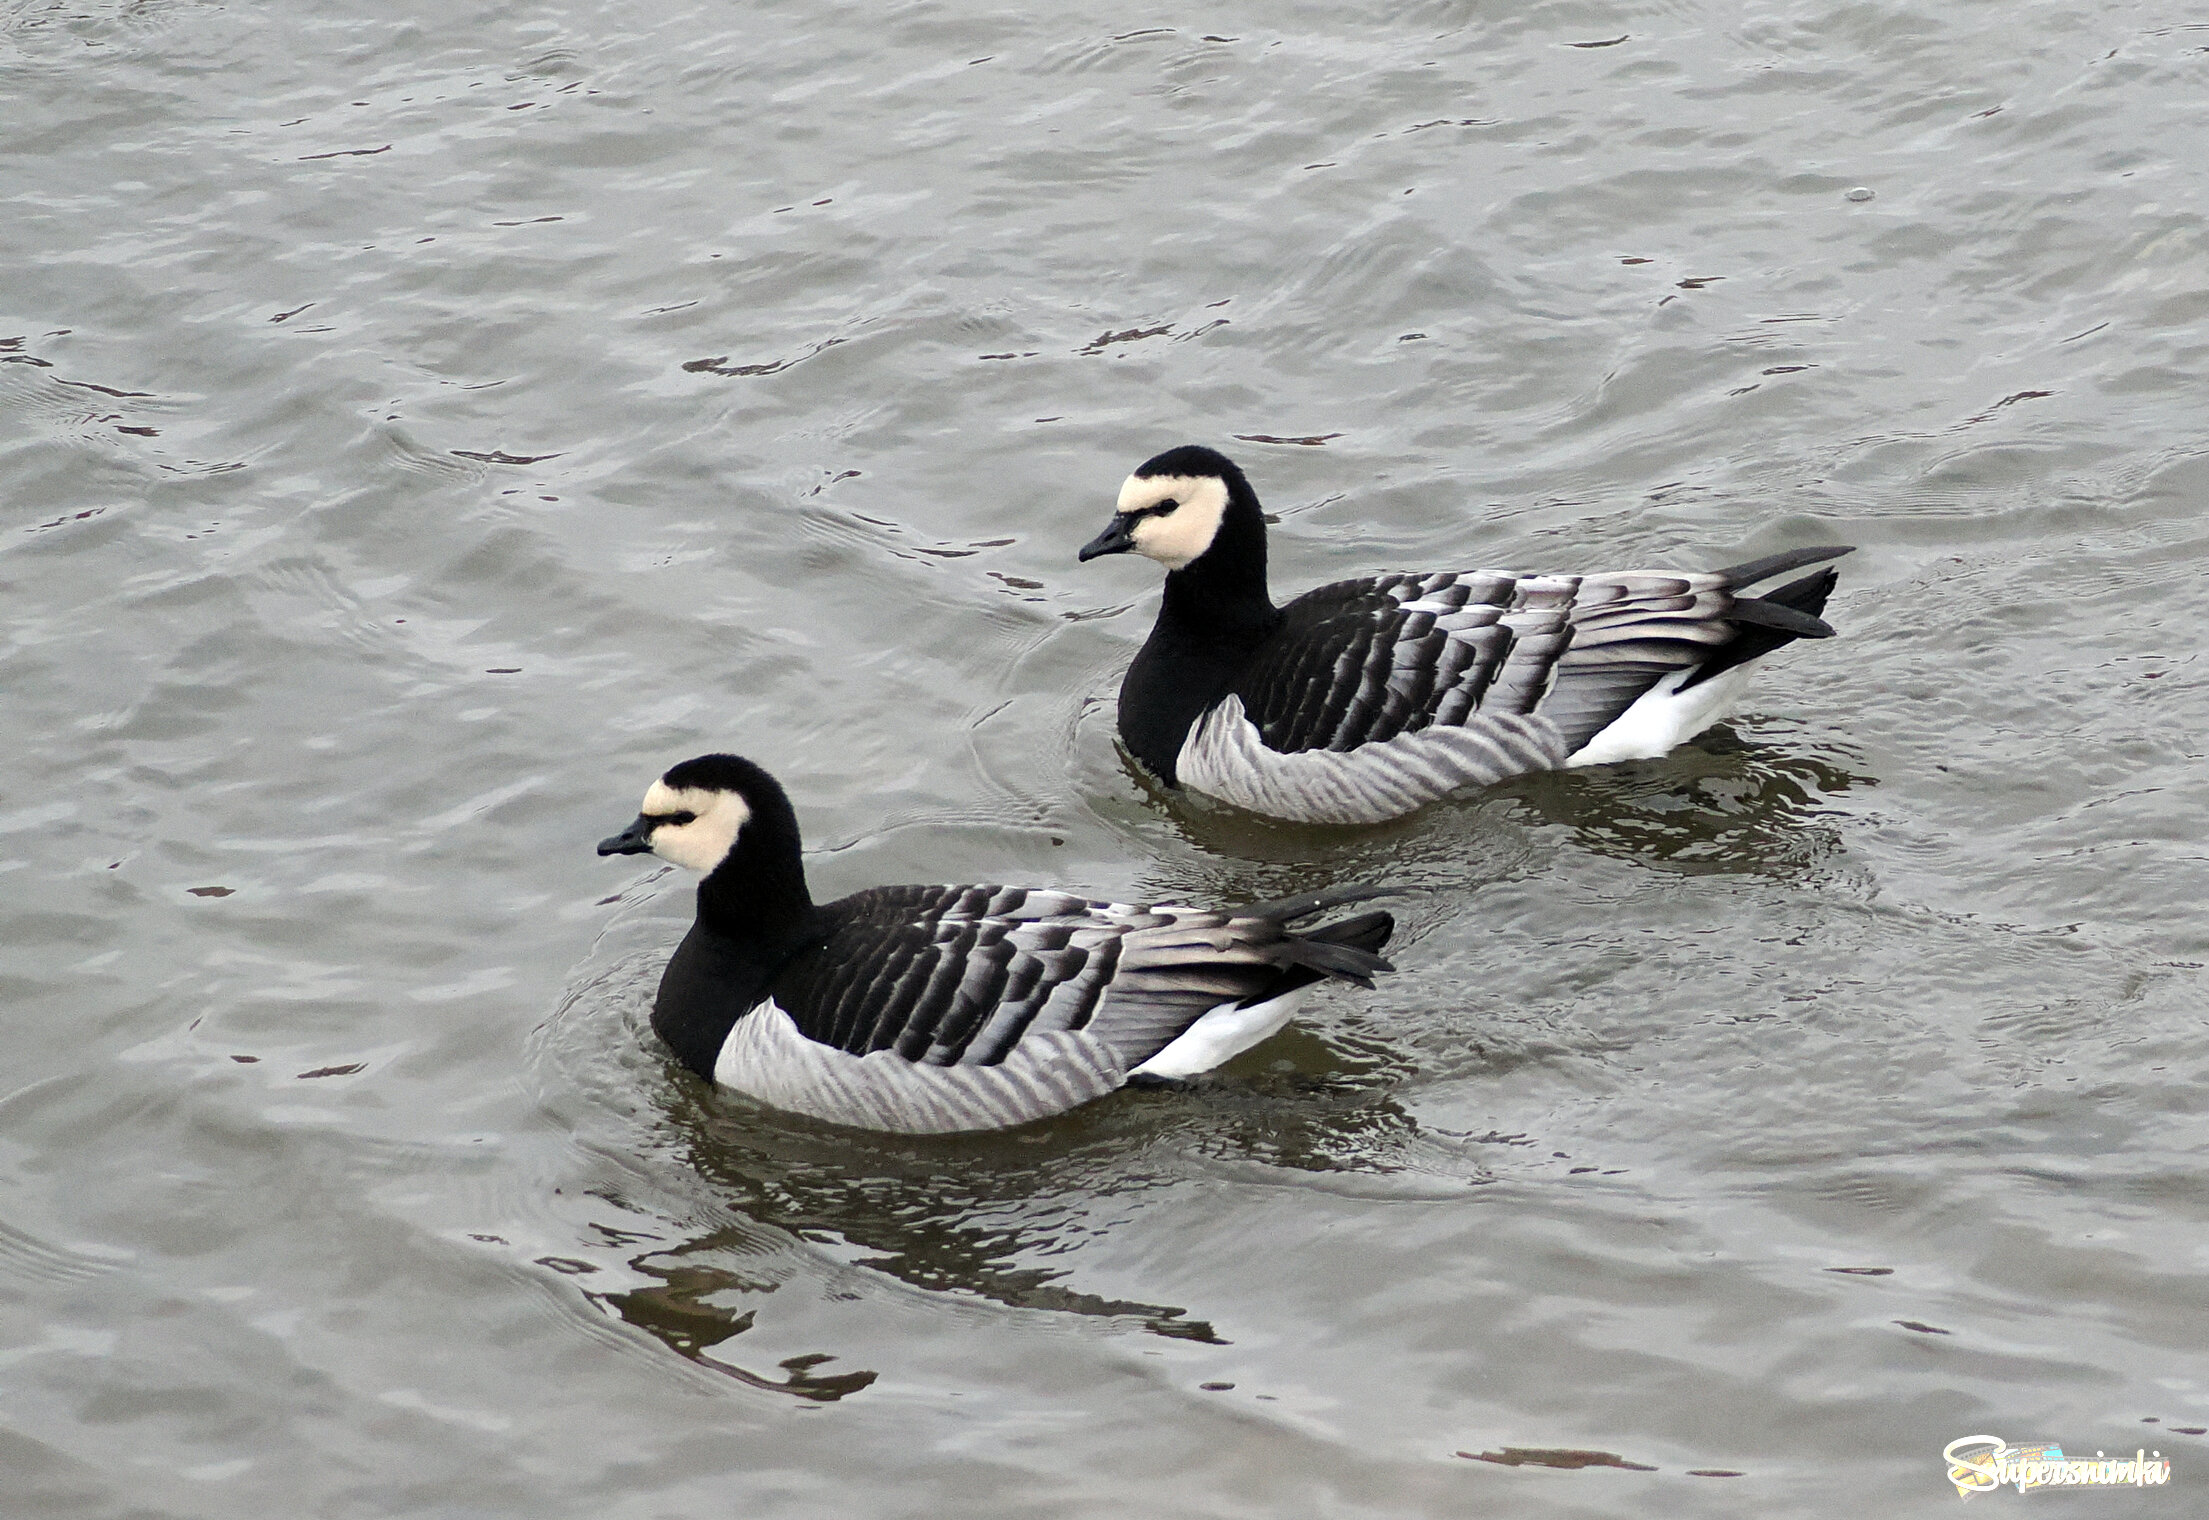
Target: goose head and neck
<point>1193,511</point>
<point>730,821</point>
<point>727,819</point>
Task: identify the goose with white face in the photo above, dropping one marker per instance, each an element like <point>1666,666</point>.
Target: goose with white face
<point>1364,699</point>
<point>1169,518</point>
<point>937,1009</point>
<point>694,827</point>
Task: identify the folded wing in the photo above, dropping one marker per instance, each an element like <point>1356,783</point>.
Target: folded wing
<point>1379,695</point>
<point>932,1009</point>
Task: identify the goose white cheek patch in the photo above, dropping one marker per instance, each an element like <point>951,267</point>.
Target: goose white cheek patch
<point>706,840</point>
<point>1175,538</point>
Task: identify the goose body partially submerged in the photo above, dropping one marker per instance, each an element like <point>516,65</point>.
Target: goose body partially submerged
<point>934,1009</point>
<point>1365,699</point>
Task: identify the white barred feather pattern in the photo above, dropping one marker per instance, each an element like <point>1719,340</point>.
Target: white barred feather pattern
<point>935,1009</point>
<point>1365,660</point>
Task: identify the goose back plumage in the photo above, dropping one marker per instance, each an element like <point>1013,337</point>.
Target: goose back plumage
<point>935,1009</point>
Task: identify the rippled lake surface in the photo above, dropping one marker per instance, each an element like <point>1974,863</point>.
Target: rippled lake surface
<point>421,424</point>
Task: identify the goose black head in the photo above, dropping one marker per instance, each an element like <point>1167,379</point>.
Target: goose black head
<point>1178,505</point>
<point>705,813</point>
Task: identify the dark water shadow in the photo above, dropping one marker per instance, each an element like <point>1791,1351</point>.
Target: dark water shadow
<point>990,1216</point>
<point>679,1311</point>
<point>1720,806</point>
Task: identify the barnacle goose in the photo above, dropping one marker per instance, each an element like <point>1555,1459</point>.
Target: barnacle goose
<point>928,1010</point>
<point>1368,698</point>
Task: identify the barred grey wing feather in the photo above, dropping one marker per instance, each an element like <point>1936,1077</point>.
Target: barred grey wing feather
<point>1630,630</point>
<point>1587,698</point>
<point>1172,974</point>
<point>946,974</point>
<point>1526,669</point>
<point>1318,670</point>
<point>998,1007</point>
<point>1574,650</point>
<point>955,976</point>
<point>1364,661</point>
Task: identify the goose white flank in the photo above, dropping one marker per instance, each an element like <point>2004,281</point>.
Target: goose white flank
<point>934,1009</point>
<point>1365,699</point>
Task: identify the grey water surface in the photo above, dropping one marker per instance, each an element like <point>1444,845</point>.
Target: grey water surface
<point>420,424</point>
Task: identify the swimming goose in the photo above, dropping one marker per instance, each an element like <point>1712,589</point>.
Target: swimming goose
<point>1368,698</point>
<point>928,1010</point>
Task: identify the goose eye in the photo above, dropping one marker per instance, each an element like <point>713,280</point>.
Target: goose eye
<point>679,819</point>
<point>1166,506</point>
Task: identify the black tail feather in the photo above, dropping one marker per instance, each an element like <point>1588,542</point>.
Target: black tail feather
<point>1775,614</point>
<point>1304,904</point>
<point>1367,932</point>
<point>1749,573</point>
<point>1347,949</point>
<point>1768,621</point>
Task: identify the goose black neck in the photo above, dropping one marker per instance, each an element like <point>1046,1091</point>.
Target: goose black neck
<point>758,893</point>
<point>1223,590</point>
<point>754,914</point>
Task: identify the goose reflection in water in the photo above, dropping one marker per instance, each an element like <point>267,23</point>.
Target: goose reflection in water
<point>1724,805</point>
<point>972,1215</point>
